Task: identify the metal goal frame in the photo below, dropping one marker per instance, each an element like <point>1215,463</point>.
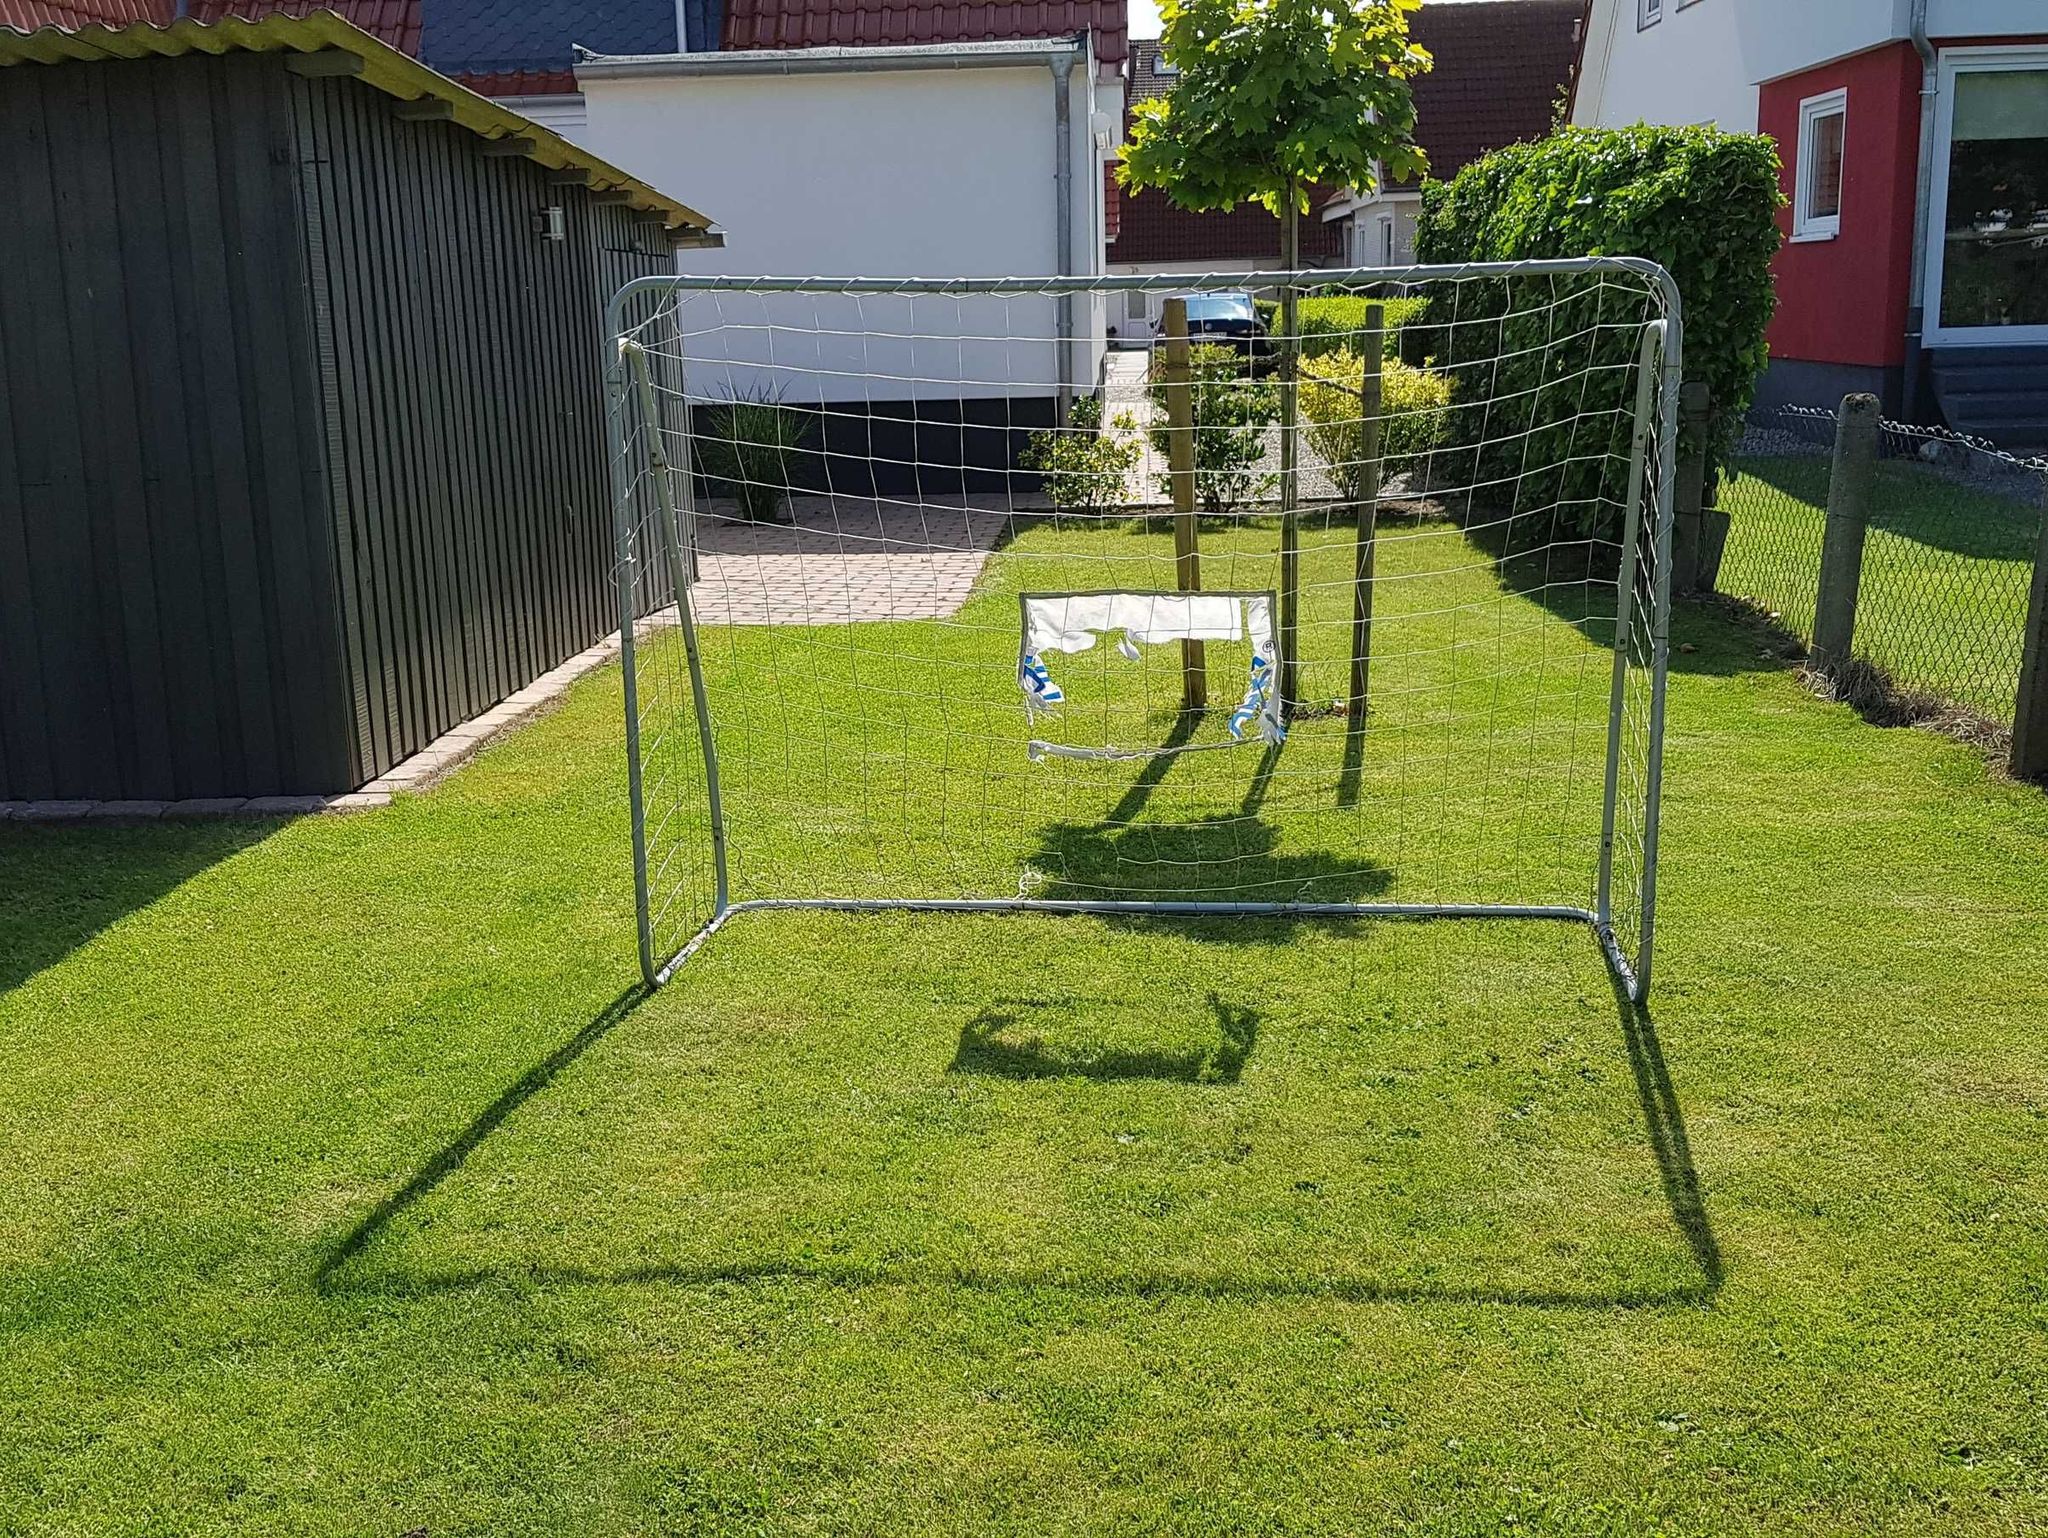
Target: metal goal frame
<point>654,589</point>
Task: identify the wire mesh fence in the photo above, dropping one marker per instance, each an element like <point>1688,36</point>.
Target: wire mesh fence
<point>1952,532</point>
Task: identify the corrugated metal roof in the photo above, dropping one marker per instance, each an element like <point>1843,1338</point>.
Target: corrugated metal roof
<point>863,23</point>
<point>383,67</point>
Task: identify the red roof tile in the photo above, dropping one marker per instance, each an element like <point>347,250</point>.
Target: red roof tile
<point>29,15</point>
<point>1501,66</point>
<point>868,23</point>
<point>1154,230</point>
<point>520,82</point>
<point>395,23</point>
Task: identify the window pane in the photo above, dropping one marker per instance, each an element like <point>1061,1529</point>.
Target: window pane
<point>1995,262</point>
<point>1824,167</point>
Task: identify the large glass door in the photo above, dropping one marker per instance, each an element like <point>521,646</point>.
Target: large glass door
<point>1988,262</point>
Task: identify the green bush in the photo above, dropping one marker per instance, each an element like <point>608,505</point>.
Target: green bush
<point>1232,411</point>
<point>747,445</point>
<point>1085,469</point>
<point>1699,202</point>
<point>1415,413</point>
<point>1332,322</point>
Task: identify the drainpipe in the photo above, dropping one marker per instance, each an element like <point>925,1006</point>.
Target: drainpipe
<point>1923,215</point>
<point>1063,221</point>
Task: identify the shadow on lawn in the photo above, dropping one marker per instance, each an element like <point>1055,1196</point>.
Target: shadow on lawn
<point>1121,859</point>
<point>1916,502</point>
<point>992,1043</point>
<point>61,886</point>
<point>1574,581</point>
<point>1664,1125</point>
<point>451,1157</point>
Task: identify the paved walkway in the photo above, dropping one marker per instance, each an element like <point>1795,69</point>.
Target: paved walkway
<point>844,559</point>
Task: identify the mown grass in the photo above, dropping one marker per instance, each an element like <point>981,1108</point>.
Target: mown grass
<point>1943,598</point>
<point>353,1188</point>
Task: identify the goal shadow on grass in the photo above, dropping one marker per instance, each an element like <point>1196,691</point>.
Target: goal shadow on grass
<point>1002,1044</point>
<point>982,1051</point>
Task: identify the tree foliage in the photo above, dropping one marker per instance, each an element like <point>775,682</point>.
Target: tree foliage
<point>1274,95</point>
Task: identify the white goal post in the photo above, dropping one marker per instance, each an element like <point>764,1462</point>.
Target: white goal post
<point>928,602</point>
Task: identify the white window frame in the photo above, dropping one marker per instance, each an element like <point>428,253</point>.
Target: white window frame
<point>1648,14</point>
<point>1807,225</point>
<point>1956,61</point>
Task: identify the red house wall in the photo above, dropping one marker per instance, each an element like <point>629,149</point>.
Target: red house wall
<point>1843,301</point>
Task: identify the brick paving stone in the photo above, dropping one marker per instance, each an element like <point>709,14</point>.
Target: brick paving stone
<point>845,559</point>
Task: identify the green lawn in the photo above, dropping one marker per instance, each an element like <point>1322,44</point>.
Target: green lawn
<point>353,1189</point>
<point>1946,568</point>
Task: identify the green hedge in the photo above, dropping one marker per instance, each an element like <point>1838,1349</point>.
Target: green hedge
<point>1701,203</point>
<point>1331,322</point>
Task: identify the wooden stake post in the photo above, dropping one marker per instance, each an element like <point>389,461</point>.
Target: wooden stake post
<point>1180,465</point>
<point>1290,527</point>
<point>1368,478</point>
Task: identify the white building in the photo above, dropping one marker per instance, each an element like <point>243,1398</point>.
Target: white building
<point>949,159</point>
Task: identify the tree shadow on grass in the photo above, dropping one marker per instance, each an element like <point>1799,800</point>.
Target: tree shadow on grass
<point>1222,857</point>
<point>998,1043</point>
<point>981,1051</point>
<point>61,886</point>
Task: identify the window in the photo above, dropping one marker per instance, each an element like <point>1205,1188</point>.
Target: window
<point>1386,232</point>
<point>1648,13</point>
<point>1817,185</point>
<point>1987,275</point>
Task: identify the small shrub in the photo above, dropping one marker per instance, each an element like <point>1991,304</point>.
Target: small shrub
<point>1085,469</point>
<point>1232,411</point>
<point>748,445</point>
<point>1415,413</point>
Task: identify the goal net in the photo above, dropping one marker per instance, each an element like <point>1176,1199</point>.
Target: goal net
<point>1102,594</point>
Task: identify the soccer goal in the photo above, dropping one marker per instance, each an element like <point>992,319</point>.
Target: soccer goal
<point>1100,595</point>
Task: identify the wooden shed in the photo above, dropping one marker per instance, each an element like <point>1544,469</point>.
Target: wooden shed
<point>302,445</point>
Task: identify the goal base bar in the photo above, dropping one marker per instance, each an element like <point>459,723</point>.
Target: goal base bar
<point>1631,984</point>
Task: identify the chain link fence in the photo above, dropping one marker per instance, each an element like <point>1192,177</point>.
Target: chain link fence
<point>1953,528</point>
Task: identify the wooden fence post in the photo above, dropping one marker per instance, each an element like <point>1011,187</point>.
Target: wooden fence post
<point>2030,716</point>
<point>1689,497</point>
<point>1180,466</point>
<point>1850,487</point>
<point>1366,485</point>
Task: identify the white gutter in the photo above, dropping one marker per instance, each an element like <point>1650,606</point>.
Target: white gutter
<point>832,61</point>
<point>1916,300</point>
<point>1063,216</point>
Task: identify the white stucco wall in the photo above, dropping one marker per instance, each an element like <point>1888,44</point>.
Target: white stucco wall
<point>1703,62</point>
<point>1687,68</point>
<point>875,174</point>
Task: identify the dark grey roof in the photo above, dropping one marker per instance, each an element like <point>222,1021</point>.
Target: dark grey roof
<point>489,36</point>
